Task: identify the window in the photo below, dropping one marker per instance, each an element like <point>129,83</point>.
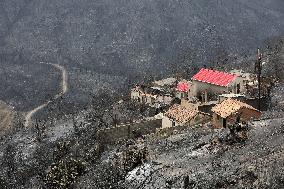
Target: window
<point>238,88</point>
<point>224,122</point>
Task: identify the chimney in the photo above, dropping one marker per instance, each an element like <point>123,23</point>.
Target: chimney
<point>206,96</point>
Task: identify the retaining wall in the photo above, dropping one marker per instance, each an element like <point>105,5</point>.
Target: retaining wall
<point>130,130</point>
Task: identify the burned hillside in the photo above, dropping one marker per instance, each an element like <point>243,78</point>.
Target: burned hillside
<point>141,94</point>
<point>104,44</point>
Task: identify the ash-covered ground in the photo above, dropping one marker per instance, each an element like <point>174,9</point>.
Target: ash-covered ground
<point>106,46</point>
<point>256,163</point>
<point>65,152</point>
<point>29,157</point>
<point>117,40</point>
<point>193,159</point>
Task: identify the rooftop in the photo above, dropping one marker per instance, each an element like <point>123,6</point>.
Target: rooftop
<point>167,81</point>
<point>214,77</point>
<point>181,114</point>
<point>231,106</point>
<point>242,74</point>
<point>183,86</point>
<point>232,95</point>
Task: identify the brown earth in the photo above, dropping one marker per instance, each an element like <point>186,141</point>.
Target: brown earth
<point>6,117</point>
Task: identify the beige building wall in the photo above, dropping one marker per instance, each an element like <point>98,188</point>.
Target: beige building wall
<point>217,121</point>
<point>134,95</point>
<point>166,122</point>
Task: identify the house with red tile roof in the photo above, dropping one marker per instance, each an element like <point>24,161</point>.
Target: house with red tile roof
<point>207,84</point>
<point>182,89</point>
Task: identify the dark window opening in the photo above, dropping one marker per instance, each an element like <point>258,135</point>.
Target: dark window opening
<point>224,122</point>
<point>238,88</point>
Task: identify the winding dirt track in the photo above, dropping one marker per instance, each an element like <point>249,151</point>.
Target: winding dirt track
<point>64,89</point>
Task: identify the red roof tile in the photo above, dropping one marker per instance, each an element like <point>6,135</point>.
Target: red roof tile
<point>182,87</point>
<point>214,77</point>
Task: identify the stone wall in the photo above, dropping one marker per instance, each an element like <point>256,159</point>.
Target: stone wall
<point>164,132</point>
<point>130,130</point>
<point>200,118</point>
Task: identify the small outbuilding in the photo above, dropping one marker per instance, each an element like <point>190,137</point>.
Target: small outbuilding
<point>179,115</point>
<point>232,111</point>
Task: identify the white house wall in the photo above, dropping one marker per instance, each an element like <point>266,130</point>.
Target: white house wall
<point>199,87</point>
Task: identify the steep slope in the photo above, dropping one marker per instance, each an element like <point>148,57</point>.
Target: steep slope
<point>125,38</point>
<point>138,33</point>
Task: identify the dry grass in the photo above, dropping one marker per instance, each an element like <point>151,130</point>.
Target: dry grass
<point>6,117</point>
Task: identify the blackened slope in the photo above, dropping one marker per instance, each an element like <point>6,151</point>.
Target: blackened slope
<point>123,38</point>
<point>142,33</point>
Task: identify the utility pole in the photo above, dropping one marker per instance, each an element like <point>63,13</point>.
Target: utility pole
<point>258,68</point>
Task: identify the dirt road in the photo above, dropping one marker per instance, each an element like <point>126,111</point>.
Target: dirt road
<point>64,89</point>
